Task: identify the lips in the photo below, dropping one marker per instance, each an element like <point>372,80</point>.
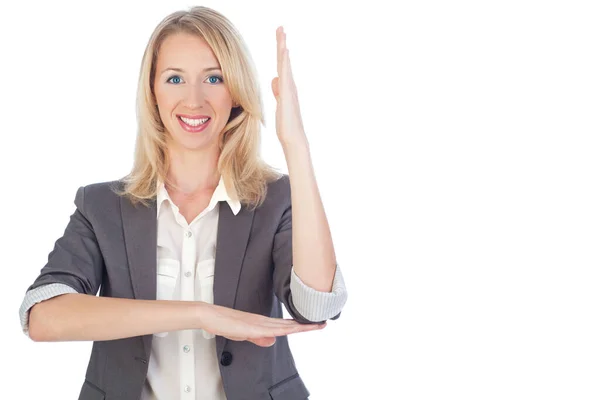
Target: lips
<point>193,123</point>
<point>193,116</point>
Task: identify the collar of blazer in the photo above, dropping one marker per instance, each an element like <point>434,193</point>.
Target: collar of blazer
<point>140,232</point>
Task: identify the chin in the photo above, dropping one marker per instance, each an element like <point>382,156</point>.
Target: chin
<point>198,144</point>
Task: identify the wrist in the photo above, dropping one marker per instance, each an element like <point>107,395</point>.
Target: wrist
<point>199,313</point>
<point>300,144</point>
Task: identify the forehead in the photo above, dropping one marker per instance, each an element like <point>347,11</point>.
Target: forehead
<point>184,50</point>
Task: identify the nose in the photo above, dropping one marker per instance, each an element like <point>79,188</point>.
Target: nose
<point>195,96</point>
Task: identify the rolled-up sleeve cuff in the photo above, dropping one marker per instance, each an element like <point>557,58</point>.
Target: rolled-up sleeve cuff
<point>38,295</point>
<point>318,306</point>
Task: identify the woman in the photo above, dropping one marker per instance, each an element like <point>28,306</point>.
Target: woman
<point>192,250</point>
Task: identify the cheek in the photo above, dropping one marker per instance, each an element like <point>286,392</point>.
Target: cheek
<point>221,96</point>
<point>162,97</point>
<point>166,102</point>
<point>224,101</point>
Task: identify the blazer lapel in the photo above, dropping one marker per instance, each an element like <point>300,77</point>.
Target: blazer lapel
<point>140,231</point>
<point>232,238</point>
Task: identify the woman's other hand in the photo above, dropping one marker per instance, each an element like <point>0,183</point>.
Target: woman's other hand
<point>240,325</point>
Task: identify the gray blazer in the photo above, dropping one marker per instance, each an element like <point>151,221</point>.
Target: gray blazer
<point>110,245</point>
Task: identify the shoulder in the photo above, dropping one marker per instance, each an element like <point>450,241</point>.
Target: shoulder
<point>278,196</point>
<point>101,191</point>
<point>279,189</point>
<point>99,200</point>
<point>276,200</point>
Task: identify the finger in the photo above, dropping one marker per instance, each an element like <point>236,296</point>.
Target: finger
<point>286,71</point>
<point>283,39</point>
<point>260,324</point>
<point>288,330</point>
<point>262,319</point>
<point>258,332</point>
<point>235,338</point>
<point>281,323</point>
<point>289,323</point>
<point>280,48</point>
<point>263,342</point>
<point>311,327</point>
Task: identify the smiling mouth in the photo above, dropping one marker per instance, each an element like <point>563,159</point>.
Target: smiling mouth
<point>193,124</point>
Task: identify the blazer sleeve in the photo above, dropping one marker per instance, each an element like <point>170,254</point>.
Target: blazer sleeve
<point>316,305</point>
<point>282,260</point>
<point>37,295</point>
<point>76,260</point>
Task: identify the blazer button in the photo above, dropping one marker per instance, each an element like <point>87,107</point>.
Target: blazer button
<point>226,358</point>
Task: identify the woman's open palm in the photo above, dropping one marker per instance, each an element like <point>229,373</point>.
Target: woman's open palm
<point>240,325</point>
<point>288,121</point>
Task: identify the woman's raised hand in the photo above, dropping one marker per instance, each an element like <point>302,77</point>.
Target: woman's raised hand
<point>288,120</point>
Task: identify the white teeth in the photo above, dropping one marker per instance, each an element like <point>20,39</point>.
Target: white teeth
<point>194,122</point>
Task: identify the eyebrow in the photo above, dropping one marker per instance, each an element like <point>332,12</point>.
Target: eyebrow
<point>181,70</point>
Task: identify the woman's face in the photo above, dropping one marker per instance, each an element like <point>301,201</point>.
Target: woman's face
<point>189,84</point>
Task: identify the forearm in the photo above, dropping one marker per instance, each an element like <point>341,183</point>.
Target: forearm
<point>313,252</point>
<point>76,317</point>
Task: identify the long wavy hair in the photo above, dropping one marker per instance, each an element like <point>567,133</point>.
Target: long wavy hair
<point>240,163</point>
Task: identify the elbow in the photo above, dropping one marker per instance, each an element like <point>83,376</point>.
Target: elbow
<point>321,319</point>
<point>41,328</point>
<point>308,317</point>
<point>319,307</point>
<point>303,320</point>
<point>37,328</point>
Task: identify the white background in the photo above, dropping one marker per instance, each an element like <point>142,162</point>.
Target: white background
<point>456,146</point>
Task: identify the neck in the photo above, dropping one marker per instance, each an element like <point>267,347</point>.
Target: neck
<point>192,172</point>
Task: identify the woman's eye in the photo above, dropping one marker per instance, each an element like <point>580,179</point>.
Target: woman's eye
<point>173,78</point>
<point>211,79</point>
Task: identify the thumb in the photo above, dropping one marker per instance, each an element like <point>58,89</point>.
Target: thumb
<point>275,87</point>
<point>263,342</point>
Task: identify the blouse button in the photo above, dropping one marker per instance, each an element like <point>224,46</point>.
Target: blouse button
<point>188,234</point>
<point>188,274</point>
<point>187,389</point>
<point>186,348</point>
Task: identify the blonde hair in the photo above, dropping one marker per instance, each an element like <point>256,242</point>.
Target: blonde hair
<point>240,163</point>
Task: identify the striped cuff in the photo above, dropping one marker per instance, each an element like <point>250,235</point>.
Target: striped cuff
<point>38,295</point>
<point>318,306</point>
